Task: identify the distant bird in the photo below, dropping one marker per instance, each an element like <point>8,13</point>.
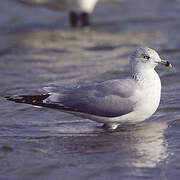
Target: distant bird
<point>79,9</point>
<point>113,102</point>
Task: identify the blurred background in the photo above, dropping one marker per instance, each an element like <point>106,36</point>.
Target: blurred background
<point>39,46</point>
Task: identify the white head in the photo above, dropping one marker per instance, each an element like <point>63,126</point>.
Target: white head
<point>146,58</point>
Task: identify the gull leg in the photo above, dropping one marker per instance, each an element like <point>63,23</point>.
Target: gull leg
<point>110,126</point>
<point>85,19</point>
<point>73,19</point>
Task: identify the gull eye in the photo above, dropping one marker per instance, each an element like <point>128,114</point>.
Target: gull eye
<point>146,57</point>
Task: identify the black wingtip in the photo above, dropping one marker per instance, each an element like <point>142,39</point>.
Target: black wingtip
<point>36,100</point>
<point>28,99</point>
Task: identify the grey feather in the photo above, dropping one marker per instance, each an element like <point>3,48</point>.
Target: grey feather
<point>109,99</point>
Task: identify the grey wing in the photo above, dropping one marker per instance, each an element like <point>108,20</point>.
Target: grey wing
<point>109,99</point>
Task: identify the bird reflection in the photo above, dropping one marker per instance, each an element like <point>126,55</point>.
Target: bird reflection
<point>147,143</point>
<point>138,146</point>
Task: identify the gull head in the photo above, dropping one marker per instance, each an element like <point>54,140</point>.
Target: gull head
<point>146,58</point>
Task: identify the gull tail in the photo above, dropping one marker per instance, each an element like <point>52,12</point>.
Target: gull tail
<point>36,100</point>
<point>33,99</point>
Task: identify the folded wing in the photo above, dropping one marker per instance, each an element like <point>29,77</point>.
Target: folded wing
<point>109,99</point>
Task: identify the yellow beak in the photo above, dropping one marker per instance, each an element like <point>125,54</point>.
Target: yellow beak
<point>166,63</point>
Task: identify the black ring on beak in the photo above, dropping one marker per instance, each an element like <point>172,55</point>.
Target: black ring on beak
<point>167,64</point>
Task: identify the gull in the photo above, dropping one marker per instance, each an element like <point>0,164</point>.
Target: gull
<point>79,9</point>
<point>114,102</point>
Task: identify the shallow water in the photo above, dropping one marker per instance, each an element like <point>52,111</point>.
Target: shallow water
<point>37,47</point>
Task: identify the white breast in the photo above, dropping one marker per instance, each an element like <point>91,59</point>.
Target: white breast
<point>150,98</point>
<point>74,5</point>
<point>85,5</point>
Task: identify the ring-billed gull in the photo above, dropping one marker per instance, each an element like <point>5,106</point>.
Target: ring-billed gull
<point>112,102</point>
<point>79,9</point>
